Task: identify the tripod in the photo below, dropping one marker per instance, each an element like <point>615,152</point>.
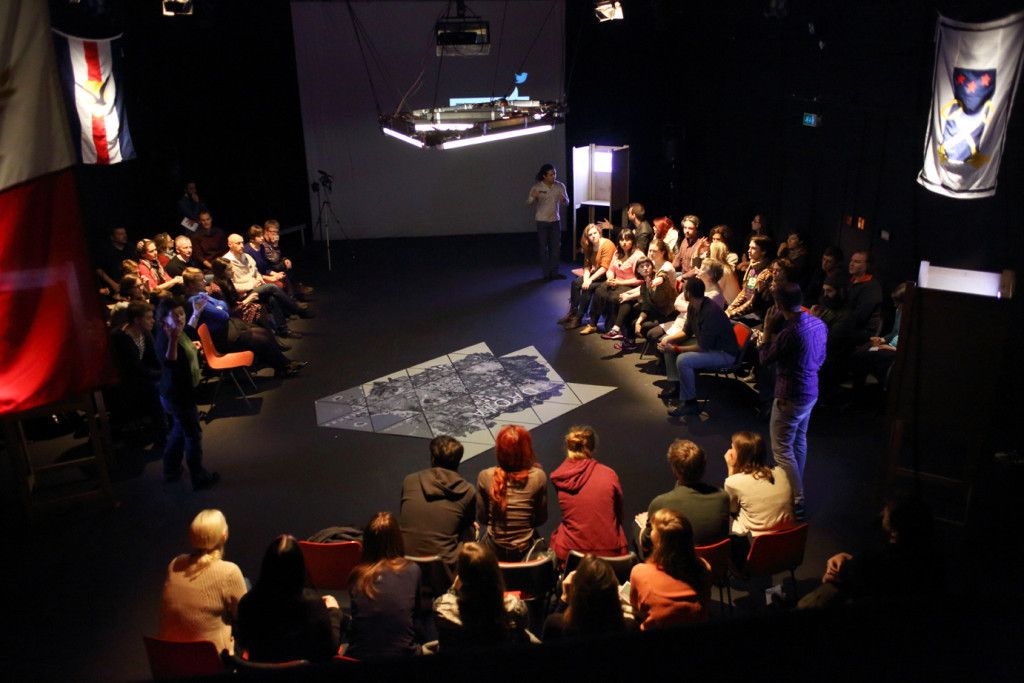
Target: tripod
<point>325,215</point>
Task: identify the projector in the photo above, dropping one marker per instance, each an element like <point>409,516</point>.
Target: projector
<point>462,37</point>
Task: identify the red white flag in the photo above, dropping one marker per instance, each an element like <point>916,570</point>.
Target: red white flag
<point>52,337</point>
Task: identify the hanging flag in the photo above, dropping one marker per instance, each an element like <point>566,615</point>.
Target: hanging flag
<point>52,337</point>
<point>90,71</point>
<point>976,72</point>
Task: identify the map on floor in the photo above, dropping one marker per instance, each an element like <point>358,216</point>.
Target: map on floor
<point>468,394</point>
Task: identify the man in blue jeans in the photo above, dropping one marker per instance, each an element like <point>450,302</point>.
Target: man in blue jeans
<point>798,350</point>
<point>716,346</point>
<point>548,194</point>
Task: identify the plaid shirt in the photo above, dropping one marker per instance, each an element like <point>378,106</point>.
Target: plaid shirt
<point>798,351</point>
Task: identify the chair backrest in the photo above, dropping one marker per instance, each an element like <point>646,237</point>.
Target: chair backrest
<point>209,350</point>
<point>435,578</point>
<point>777,551</point>
<point>622,565</point>
<point>328,565</point>
<point>717,555</point>
<point>534,579</point>
<point>243,665</point>
<point>171,659</point>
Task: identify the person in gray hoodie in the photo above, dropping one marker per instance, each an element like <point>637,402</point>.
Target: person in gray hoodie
<point>438,505</point>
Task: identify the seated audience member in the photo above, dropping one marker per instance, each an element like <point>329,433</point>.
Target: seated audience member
<point>831,264</point>
<point>512,498</point>
<point>831,306</point>
<point>711,273</point>
<point>150,269</point>
<point>276,260</point>
<point>476,612</point>
<point>691,250</point>
<point>190,206</point>
<point>760,496</point>
<point>705,506</point>
<point>673,586</point>
<point>202,590</point>
<point>723,234</point>
<point>665,230</point>
<point>758,228</point>
<point>862,320</point>
<point>716,346</point>
<point>233,334</point>
<point>384,588</point>
<point>280,620</point>
<point>109,257</point>
<point>590,497</point>
<point>254,248</point>
<point>248,308</point>
<point>621,278</point>
<point>208,241</point>
<point>794,250</point>
<point>594,605</point>
<point>182,258</point>
<point>247,279</point>
<point>438,506</point>
<point>130,288</point>
<point>906,567</point>
<point>647,301</point>
<point>728,285</point>
<point>877,356</point>
<point>138,369</point>
<point>756,279</point>
<point>164,247</point>
<point>597,256</point>
<point>179,377</point>
<point>643,230</point>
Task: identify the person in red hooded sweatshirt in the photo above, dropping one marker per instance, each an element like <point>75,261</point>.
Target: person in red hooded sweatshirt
<point>590,497</point>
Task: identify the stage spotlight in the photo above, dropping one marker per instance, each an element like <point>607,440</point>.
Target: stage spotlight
<point>177,8</point>
<point>607,11</point>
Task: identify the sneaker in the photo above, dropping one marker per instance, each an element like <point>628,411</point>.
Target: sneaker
<point>671,391</point>
<point>613,334</point>
<point>205,481</point>
<point>685,409</point>
<point>588,329</point>
<point>627,345</point>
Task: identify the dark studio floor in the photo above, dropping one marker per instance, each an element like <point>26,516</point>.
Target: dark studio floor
<point>95,575</point>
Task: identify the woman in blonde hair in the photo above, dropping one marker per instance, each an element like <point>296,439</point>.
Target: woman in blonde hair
<point>761,498</point>
<point>673,586</point>
<point>728,285</point>
<point>512,498</point>
<point>590,497</point>
<point>202,590</point>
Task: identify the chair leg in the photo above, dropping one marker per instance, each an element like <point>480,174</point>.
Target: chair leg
<point>248,376</point>
<point>238,386</point>
<point>216,390</point>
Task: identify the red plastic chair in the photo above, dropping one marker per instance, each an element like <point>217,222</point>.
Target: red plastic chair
<point>775,552</point>
<point>173,659</point>
<point>717,555</point>
<point>225,362</point>
<point>328,565</point>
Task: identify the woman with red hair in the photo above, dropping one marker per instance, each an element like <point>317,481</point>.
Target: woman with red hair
<point>512,498</point>
<point>665,230</point>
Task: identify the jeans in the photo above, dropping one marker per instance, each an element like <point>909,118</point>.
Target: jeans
<point>789,441</point>
<point>683,369</point>
<point>549,240</point>
<point>185,438</point>
<point>579,298</point>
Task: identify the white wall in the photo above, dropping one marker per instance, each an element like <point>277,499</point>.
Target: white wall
<point>386,188</point>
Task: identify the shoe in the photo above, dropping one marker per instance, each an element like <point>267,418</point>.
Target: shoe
<point>289,334</point>
<point>671,391</point>
<point>566,318</point>
<point>613,334</point>
<point>291,369</point>
<point>572,323</point>
<point>588,329</point>
<point>627,345</point>
<point>685,409</point>
<point>205,481</point>
<point>800,512</point>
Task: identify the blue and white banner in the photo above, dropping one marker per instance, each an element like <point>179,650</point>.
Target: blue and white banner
<point>977,67</point>
<point>90,73</point>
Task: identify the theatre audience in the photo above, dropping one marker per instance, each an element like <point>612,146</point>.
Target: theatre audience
<point>150,269</point>
<point>877,356</point>
<point>477,613</point>
<point>190,206</point>
<point>666,231</point>
<point>247,278</point>
<point>597,257</point>
<point>131,346</point>
<point>280,620</point>
<point>590,497</point>
<point>643,230</point>
<point>728,285</point>
<point>594,608</point>
<point>512,498</point>
<point>621,278</point>
<point>182,258</point>
<point>722,234</point>
<point>691,249</point>
<point>109,257</point>
<point>757,278</point>
<point>673,586</point>
<point>705,506</point>
<point>758,228</point>
<point>202,590</point>
<point>760,496</point>
<point>831,264</point>
<point>438,506</point>
<point>384,588</point>
<point>208,241</point>
<point>277,261</point>
<point>794,250</point>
